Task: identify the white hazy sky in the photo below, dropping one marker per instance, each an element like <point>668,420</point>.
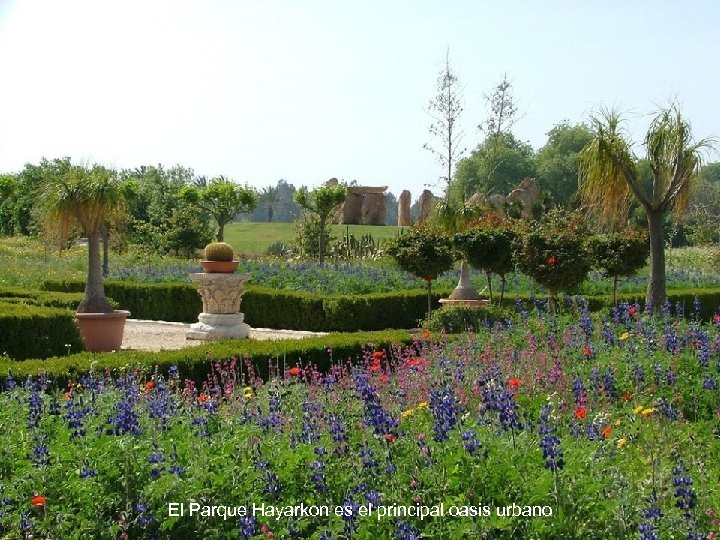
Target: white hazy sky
<point>309,89</point>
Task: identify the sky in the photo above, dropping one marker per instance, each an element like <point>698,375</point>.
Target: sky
<point>306,90</point>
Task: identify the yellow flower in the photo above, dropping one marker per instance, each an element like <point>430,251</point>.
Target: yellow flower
<point>617,422</point>
<point>621,443</point>
<point>638,409</point>
<point>422,405</point>
<point>647,412</point>
<point>248,395</point>
<point>407,413</point>
<point>624,336</point>
<point>248,389</point>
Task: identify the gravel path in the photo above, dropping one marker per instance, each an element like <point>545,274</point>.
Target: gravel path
<point>160,335</point>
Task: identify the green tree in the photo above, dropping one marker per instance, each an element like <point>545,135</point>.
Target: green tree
<point>553,254</point>
<point>488,246</point>
<point>321,201</point>
<point>269,198</point>
<point>445,110</point>
<point>557,162</point>
<point>8,187</point>
<point>609,177</point>
<point>495,166</point>
<point>424,253</point>
<point>85,197</point>
<point>619,255</point>
<point>187,231</point>
<point>223,199</point>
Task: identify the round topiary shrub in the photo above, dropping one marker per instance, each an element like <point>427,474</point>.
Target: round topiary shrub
<point>219,251</point>
<point>619,255</point>
<point>552,252</point>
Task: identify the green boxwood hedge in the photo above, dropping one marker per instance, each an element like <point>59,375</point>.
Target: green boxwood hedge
<point>30,331</point>
<point>196,362</point>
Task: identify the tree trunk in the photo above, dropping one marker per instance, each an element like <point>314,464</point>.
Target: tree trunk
<point>94,300</point>
<point>270,213</point>
<point>502,289</point>
<point>615,280</point>
<point>321,255</point>
<point>106,251</point>
<point>429,289</point>
<point>656,285</point>
<point>488,274</point>
<point>221,232</point>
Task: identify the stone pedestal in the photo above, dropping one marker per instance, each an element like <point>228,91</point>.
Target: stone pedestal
<point>221,318</point>
<point>465,293</point>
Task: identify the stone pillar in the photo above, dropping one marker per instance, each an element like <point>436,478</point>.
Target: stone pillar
<point>352,209</point>
<point>221,318</point>
<point>373,209</point>
<point>425,205</point>
<point>404,219</point>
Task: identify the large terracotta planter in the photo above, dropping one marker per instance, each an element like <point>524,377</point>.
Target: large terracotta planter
<point>102,332</point>
<point>219,267</point>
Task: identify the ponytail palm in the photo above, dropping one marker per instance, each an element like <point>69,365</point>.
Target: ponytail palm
<point>85,198</point>
<point>609,179</point>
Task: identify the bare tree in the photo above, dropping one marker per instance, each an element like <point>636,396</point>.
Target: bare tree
<point>445,110</point>
<point>502,110</point>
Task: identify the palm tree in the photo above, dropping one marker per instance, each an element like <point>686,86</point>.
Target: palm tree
<point>84,197</point>
<point>608,177</point>
<point>270,196</point>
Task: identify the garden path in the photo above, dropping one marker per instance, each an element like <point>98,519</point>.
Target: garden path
<point>160,335</point>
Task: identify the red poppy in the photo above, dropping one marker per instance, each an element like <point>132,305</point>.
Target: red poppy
<point>378,355</point>
<point>588,350</point>
<point>202,398</point>
<point>415,362</point>
<point>294,371</point>
<point>580,412</point>
<point>552,261</point>
<point>514,382</point>
<point>632,310</point>
<point>375,366</point>
<point>38,500</point>
<point>384,377</point>
<point>390,438</point>
<point>627,396</point>
<point>606,432</point>
<point>150,385</point>
<point>716,319</point>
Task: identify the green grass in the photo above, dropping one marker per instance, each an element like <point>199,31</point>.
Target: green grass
<point>254,238</point>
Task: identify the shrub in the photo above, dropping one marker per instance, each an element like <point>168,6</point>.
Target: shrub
<point>620,254</point>
<point>423,253</point>
<point>37,331</point>
<point>307,237</point>
<point>455,319</point>
<point>553,254</point>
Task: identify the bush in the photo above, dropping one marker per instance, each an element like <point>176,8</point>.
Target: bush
<point>553,254</point>
<point>196,362</point>
<point>621,254</point>
<point>36,331</point>
<point>307,237</point>
<point>456,319</point>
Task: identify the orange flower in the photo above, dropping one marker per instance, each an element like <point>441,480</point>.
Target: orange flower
<point>415,362</point>
<point>587,351</point>
<point>426,335</point>
<point>378,355</point>
<point>580,412</point>
<point>67,396</point>
<point>150,385</point>
<point>627,396</point>
<point>514,383</point>
<point>552,261</point>
<point>38,500</point>
<point>384,377</point>
<point>375,366</point>
<point>606,432</point>
<point>390,438</point>
<point>202,398</point>
<point>294,371</point>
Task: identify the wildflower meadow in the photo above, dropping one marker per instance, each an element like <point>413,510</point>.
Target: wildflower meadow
<point>542,426</point>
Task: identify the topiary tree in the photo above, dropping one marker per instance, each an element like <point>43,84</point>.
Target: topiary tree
<point>489,247</point>
<point>321,202</point>
<point>423,253</point>
<point>552,252</point>
<point>619,254</point>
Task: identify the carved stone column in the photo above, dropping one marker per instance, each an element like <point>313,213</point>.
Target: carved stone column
<point>221,318</point>
<point>404,219</point>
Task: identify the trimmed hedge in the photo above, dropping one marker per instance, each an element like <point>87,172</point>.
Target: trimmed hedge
<point>35,331</point>
<point>196,362</point>
<point>270,308</point>
<point>67,300</point>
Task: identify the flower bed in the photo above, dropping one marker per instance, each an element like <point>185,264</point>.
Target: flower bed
<point>575,427</point>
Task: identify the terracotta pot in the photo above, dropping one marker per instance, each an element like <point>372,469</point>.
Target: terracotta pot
<point>219,267</point>
<point>102,332</point>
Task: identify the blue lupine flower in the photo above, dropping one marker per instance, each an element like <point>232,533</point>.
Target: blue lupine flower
<point>403,531</point>
<point>550,442</point>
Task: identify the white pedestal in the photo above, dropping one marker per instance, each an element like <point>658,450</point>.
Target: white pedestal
<point>219,326</point>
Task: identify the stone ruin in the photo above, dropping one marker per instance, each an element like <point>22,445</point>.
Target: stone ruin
<point>527,193</point>
<point>364,205</point>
